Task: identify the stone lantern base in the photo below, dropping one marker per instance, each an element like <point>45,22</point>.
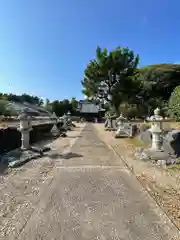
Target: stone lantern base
<point>159,157</point>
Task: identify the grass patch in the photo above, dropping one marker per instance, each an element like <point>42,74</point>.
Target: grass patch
<point>174,167</point>
<point>136,142</point>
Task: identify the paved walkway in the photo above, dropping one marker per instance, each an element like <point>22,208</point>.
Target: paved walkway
<point>92,196</point>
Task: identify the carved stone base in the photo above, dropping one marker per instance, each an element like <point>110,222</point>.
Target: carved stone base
<point>158,157</point>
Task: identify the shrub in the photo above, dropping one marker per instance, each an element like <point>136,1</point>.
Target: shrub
<point>174,104</point>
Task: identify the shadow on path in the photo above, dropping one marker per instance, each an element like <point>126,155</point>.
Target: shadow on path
<point>68,155</point>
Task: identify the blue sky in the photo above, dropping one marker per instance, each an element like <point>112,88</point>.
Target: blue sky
<point>45,45</point>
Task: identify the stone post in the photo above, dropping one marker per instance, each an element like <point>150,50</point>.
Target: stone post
<point>25,128</point>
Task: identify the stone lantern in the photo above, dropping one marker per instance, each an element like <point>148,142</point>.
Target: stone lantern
<point>54,118</point>
<point>120,123</point>
<point>156,151</point>
<point>108,122</point>
<point>156,138</point>
<point>156,119</point>
<point>69,120</point>
<point>25,128</point>
<point>156,130</point>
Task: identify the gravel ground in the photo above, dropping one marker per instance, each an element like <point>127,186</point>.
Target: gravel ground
<point>21,188</point>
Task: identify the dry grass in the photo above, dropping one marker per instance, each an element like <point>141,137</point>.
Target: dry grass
<point>136,142</point>
<point>175,167</point>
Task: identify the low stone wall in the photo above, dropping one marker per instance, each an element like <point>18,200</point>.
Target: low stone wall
<point>24,130</point>
<point>10,137</point>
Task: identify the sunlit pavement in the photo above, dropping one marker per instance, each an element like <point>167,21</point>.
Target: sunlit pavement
<point>93,196</point>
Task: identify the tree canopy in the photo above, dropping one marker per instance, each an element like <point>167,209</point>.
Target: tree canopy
<point>114,79</point>
<point>114,76</point>
<point>110,74</point>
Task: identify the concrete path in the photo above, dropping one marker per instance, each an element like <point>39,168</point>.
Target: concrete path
<point>93,196</point>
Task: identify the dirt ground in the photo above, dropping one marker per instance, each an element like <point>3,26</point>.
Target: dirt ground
<point>162,184</point>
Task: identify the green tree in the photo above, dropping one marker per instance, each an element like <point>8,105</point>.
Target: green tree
<point>110,75</point>
<point>174,104</point>
<point>47,105</point>
<point>56,107</point>
<point>159,81</point>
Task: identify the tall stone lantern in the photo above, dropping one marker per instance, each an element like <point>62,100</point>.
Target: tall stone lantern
<point>25,128</point>
<point>156,130</point>
<point>120,125</point>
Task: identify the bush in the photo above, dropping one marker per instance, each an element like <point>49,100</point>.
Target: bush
<point>174,104</point>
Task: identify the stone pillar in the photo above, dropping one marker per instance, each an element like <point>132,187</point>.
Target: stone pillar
<point>25,128</point>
